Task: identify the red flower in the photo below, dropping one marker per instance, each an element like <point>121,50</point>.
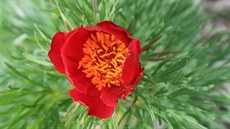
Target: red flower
<point>102,62</point>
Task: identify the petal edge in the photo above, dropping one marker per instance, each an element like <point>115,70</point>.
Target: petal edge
<point>54,54</point>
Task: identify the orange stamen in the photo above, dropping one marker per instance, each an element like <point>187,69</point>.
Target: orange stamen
<point>103,59</point>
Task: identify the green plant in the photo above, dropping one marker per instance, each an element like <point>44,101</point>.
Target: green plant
<point>183,86</point>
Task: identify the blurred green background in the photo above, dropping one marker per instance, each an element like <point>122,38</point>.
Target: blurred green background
<point>189,90</point>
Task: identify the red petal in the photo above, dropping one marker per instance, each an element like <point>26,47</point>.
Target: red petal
<point>76,76</point>
<point>118,31</point>
<point>55,51</point>
<point>79,97</point>
<point>131,65</point>
<point>71,55</point>
<point>95,106</point>
<point>99,109</point>
<point>123,92</point>
<point>54,54</point>
<point>110,23</point>
<point>109,97</point>
<point>138,79</point>
<point>130,70</point>
<point>135,47</point>
<point>74,44</point>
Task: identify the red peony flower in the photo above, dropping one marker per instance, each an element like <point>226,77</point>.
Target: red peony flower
<point>102,62</point>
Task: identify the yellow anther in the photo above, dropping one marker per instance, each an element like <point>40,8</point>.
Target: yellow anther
<point>103,59</point>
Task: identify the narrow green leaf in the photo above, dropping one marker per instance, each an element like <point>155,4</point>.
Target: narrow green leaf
<point>65,20</point>
<point>132,25</point>
<point>44,35</point>
<point>35,59</point>
<point>39,44</point>
<point>35,124</point>
<point>177,66</point>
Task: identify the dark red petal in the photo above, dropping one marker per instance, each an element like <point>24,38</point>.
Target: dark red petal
<point>131,87</point>
<point>109,97</point>
<point>99,109</point>
<point>95,106</point>
<point>131,65</point>
<point>110,23</point>
<point>119,32</point>
<point>135,47</point>
<point>76,76</point>
<point>123,92</point>
<point>71,55</point>
<point>74,44</point>
<point>79,97</point>
<point>130,70</point>
<point>55,51</point>
<point>54,54</point>
<point>138,79</point>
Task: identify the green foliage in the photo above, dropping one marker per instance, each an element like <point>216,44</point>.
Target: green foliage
<point>183,86</point>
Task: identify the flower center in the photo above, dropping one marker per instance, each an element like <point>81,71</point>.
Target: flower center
<point>103,59</point>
